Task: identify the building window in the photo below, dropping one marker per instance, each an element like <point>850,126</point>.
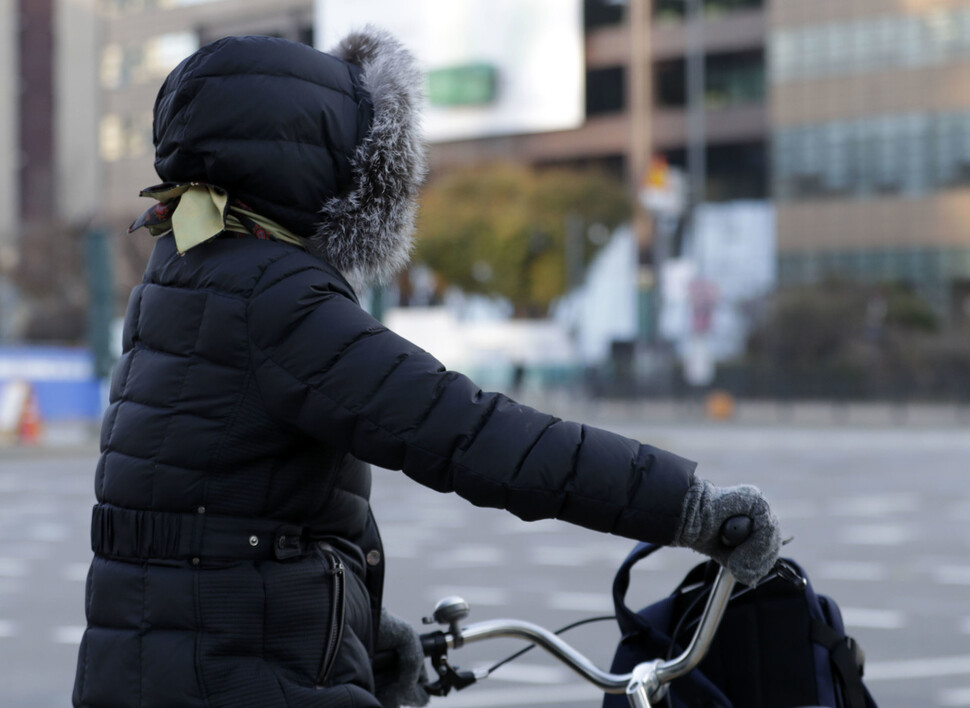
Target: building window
<point>605,90</point>
<point>731,79</point>
<point>111,139</point>
<point>674,10</point>
<point>122,66</point>
<point>124,137</point>
<point>910,154</point>
<point>734,170</point>
<point>602,13</point>
<point>907,40</point>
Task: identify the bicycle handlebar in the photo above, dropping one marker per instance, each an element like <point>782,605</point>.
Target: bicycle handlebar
<point>666,670</point>
<point>644,684</point>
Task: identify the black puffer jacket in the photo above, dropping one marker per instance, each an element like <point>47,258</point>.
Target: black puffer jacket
<point>236,559</point>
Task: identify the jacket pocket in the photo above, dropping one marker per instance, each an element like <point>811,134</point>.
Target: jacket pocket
<point>338,602</point>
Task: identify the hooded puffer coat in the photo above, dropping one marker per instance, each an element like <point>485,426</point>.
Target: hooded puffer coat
<point>237,562</point>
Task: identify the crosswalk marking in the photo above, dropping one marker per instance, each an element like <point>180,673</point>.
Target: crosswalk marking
<point>874,505</point>
<point>494,597</point>
<point>67,635</point>
<point>872,618</point>
<point>581,601</point>
<point>12,568</point>
<point>8,629</point>
<point>853,570</point>
<point>907,669</point>
<point>877,534</point>
<point>954,697</point>
<point>952,574</point>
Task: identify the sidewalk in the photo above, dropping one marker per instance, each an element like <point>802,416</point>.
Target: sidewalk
<point>83,435</point>
<point>761,413</point>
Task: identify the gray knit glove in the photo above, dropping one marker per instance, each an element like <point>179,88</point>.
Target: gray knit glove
<point>707,507</point>
<point>403,688</point>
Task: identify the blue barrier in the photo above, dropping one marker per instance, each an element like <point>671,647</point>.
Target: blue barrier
<point>62,379</point>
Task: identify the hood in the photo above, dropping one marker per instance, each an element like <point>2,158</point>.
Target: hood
<point>327,145</point>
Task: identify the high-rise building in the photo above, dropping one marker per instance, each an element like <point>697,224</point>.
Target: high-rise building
<point>870,113</point>
<point>736,110</point>
<point>141,42</point>
<point>47,48</point>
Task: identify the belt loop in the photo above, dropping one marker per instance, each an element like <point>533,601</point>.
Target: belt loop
<point>289,542</point>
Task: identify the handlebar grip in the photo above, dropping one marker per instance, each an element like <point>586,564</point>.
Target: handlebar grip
<point>736,530</point>
<point>385,661</point>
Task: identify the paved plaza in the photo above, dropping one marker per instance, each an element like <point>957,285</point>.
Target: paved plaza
<point>880,515</point>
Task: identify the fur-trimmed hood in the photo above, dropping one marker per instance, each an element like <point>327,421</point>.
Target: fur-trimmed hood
<point>328,145</point>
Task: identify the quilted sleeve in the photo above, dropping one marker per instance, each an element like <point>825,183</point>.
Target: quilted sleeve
<point>327,367</point>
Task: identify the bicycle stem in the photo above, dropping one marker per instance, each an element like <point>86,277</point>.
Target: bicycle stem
<point>701,641</point>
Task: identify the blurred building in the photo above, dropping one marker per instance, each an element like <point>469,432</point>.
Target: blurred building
<point>47,117</point>
<point>870,108</point>
<point>734,34</point>
<point>141,42</point>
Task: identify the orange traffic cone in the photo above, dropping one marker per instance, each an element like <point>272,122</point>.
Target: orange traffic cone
<point>28,433</point>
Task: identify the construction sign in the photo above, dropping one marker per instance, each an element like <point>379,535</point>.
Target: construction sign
<point>20,419</point>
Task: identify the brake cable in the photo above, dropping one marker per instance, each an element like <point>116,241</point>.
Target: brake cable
<point>579,623</point>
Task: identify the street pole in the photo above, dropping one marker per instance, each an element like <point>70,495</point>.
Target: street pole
<point>696,128</point>
<point>639,156</point>
<point>100,281</point>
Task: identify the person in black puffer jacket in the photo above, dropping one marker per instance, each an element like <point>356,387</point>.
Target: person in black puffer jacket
<point>237,562</point>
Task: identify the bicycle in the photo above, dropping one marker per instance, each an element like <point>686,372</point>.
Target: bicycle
<point>644,686</point>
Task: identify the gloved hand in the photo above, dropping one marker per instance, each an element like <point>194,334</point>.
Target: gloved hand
<point>707,507</point>
<point>402,687</point>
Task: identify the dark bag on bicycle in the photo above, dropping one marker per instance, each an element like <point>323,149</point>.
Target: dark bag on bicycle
<point>780,645</point>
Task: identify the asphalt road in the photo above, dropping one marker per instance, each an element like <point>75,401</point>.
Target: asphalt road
<point>880,518</point>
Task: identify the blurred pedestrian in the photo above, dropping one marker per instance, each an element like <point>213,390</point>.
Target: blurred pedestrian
<point>237,562</point>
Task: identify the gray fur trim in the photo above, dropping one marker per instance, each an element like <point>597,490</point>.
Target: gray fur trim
<point>367,233</point>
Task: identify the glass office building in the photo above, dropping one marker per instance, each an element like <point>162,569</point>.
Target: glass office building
<point>870,107</point>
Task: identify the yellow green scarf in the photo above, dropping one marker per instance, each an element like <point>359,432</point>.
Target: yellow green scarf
<point>196,213</point>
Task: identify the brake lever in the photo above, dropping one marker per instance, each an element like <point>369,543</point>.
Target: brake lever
<point>449,677</point>
<point>435,646</point>
<point>785,571</point>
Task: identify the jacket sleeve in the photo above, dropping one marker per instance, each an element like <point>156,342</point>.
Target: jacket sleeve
<point>324,365</point>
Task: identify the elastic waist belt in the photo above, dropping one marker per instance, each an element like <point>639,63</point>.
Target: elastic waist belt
<point>128,534</point>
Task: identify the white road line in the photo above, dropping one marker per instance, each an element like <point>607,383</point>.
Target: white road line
<point>874,505</point>
<point>493,597</point>
<point>965,625</point>
<point>532,673</point>
<point>954,697</point>
<point>67,635</point>
<point>853,570</point>
<point>555,695</point>
<point>876,535</point>
<point>469,556</point>
<point>960,511</point>
<point>918,668</point>
<point>514,525</point>
<point>12,568</point>
<point>8,629</point>
<point>581,601</point>
<point>952,575</point>
<point>795,509</point>
<point>77,572</point>
<point>873,619</point>
<point>48,531</point>
<point>558,556</point>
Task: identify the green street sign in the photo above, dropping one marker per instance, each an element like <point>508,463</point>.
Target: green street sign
<point>466,85</point>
